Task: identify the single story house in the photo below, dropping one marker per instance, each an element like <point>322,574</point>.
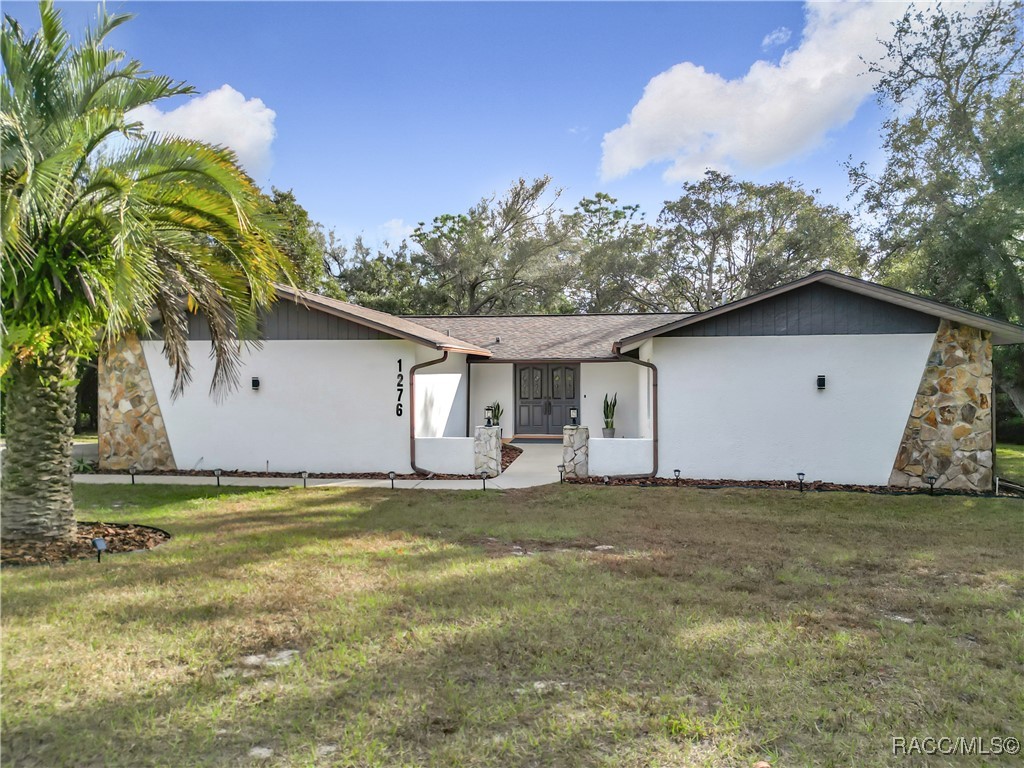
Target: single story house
<point>841,379</point>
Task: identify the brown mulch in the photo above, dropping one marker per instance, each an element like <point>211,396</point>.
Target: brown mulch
<point>509,453</point>
<point>119,538</point>
<point>791,485</point>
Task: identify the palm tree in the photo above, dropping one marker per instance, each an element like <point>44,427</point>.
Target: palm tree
<point>105,228</point>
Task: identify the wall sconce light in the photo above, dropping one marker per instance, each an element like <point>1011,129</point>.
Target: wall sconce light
<point>100,545</point>
<point>131,471</point>
<point>821,381</point>
<point>216,473</point>
<point>391,477</point>
<point>574,416</point>
<point>489,416</point>
<point>255,383</point>
<point>676,472</point>
<point>561,473</point>
<point>930,479</point>
<point>800,476</point>
<point>305,476</point>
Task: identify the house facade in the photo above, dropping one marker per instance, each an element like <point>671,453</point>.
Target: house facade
<point>841,379</point>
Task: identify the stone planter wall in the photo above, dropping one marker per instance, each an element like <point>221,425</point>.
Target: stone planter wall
<point>131,427</point>
<point>487,451</point>
<point>949,432</point>
<point>576,451</point>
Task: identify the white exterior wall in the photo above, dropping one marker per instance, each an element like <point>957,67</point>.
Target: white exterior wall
<point>616,456</point>
<point>598,379</point>
<point>445,455</point>
<point>322,406</point>
<point>441,394</point>
<point>490,382</point>
<point>747,408</point>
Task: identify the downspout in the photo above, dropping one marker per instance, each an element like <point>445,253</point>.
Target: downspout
<point>412,411</point>
<point>616,350</point>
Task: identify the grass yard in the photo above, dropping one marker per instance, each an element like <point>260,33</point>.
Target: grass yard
<point>472,629</point>
<point>1011,461</point>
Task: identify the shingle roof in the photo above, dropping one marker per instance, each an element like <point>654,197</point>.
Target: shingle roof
<point>382,321</point>
<point>546,337</point>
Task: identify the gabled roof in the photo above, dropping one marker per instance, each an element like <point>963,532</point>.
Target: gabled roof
<point>545,337</point>
<point>380,321</point>
<point>1002,331</point>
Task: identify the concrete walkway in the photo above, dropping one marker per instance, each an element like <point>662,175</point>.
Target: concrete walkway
<point>536,465</point>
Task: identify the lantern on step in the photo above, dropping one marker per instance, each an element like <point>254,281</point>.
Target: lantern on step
<point>574,415</point>
<point>489,416</point>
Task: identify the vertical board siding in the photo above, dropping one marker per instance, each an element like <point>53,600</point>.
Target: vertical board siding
<point>814,310</point>
<point>288,321</point>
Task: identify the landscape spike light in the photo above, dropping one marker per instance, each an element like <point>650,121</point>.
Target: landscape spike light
<point>305,476</point>
<point>607,480</point>
<point>676,472</point>
<point>391,477</point>
<point>931,479</point>
<point>561,473</point>
<point>800,476</point>
<point>483,476</point>
<point>131,471</point>
<point>216,473</point>
<point>100,545</point>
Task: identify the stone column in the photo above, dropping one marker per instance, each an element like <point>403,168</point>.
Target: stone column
<point>576,451</point>
<point>487,450</point>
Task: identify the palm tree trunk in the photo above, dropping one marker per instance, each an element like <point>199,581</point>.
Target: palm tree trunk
<point>35,490</point>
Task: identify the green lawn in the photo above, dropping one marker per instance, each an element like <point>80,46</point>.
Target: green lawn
<point>1011,461</point>
<point>724,627</point>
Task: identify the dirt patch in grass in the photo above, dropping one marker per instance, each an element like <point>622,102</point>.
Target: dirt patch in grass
<point>118,538</point>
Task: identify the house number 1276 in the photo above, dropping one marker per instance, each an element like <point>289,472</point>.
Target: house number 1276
<point>400,386</point>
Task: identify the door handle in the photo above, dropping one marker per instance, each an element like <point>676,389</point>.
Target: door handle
<point>547,407</point>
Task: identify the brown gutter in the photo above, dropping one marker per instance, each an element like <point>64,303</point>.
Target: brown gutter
<point>654,409</point>
<point>412,411</point>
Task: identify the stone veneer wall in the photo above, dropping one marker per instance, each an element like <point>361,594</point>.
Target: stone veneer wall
<point>576,451</point>
<point>487,451</point>
<point>949,432</point>
<point>131,427</point>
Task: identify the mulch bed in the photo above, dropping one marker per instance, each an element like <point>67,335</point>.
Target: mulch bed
<point>509,453</point>
<point>119,538</point>
<point>790,485</point>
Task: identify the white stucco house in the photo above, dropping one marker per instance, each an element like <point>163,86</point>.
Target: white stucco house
<point>841,379</point>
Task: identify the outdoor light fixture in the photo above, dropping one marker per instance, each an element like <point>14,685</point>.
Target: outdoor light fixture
<point>305,475</point>
<point>821,381</point>
<point>607,480</point>
<point>216,473</point>
<point>132,470</point>
<point>930,479</point>
<point>561,473</point>
<point>391,477</point>
<point>574,415</point>
<point>483,476</point>
<point>800,476</point>
<point>255,383</point>
<point>676,472</point>
<point>100,545</point>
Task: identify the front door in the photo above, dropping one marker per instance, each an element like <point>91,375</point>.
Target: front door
<point>544,394</point>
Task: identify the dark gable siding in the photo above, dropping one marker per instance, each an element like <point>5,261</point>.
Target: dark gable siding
<point>814,310</point>
<point>288,321</point>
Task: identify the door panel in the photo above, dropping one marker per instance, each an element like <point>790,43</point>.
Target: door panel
<point>544,394</point>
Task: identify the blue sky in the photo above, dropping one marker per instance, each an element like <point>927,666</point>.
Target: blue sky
<point>381,115</point>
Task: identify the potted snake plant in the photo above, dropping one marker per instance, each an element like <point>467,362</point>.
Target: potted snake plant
<point>609,415</point>
<point>496,411</point>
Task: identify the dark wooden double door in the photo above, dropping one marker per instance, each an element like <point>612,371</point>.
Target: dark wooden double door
<point>544,394</point>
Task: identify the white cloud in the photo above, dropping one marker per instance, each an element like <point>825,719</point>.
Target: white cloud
<point>697,119</point>
<point>224,117</point>
<point>394,231</point>
<point>779,36</point>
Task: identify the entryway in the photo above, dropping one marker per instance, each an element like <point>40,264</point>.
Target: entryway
<point>544,394</point>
